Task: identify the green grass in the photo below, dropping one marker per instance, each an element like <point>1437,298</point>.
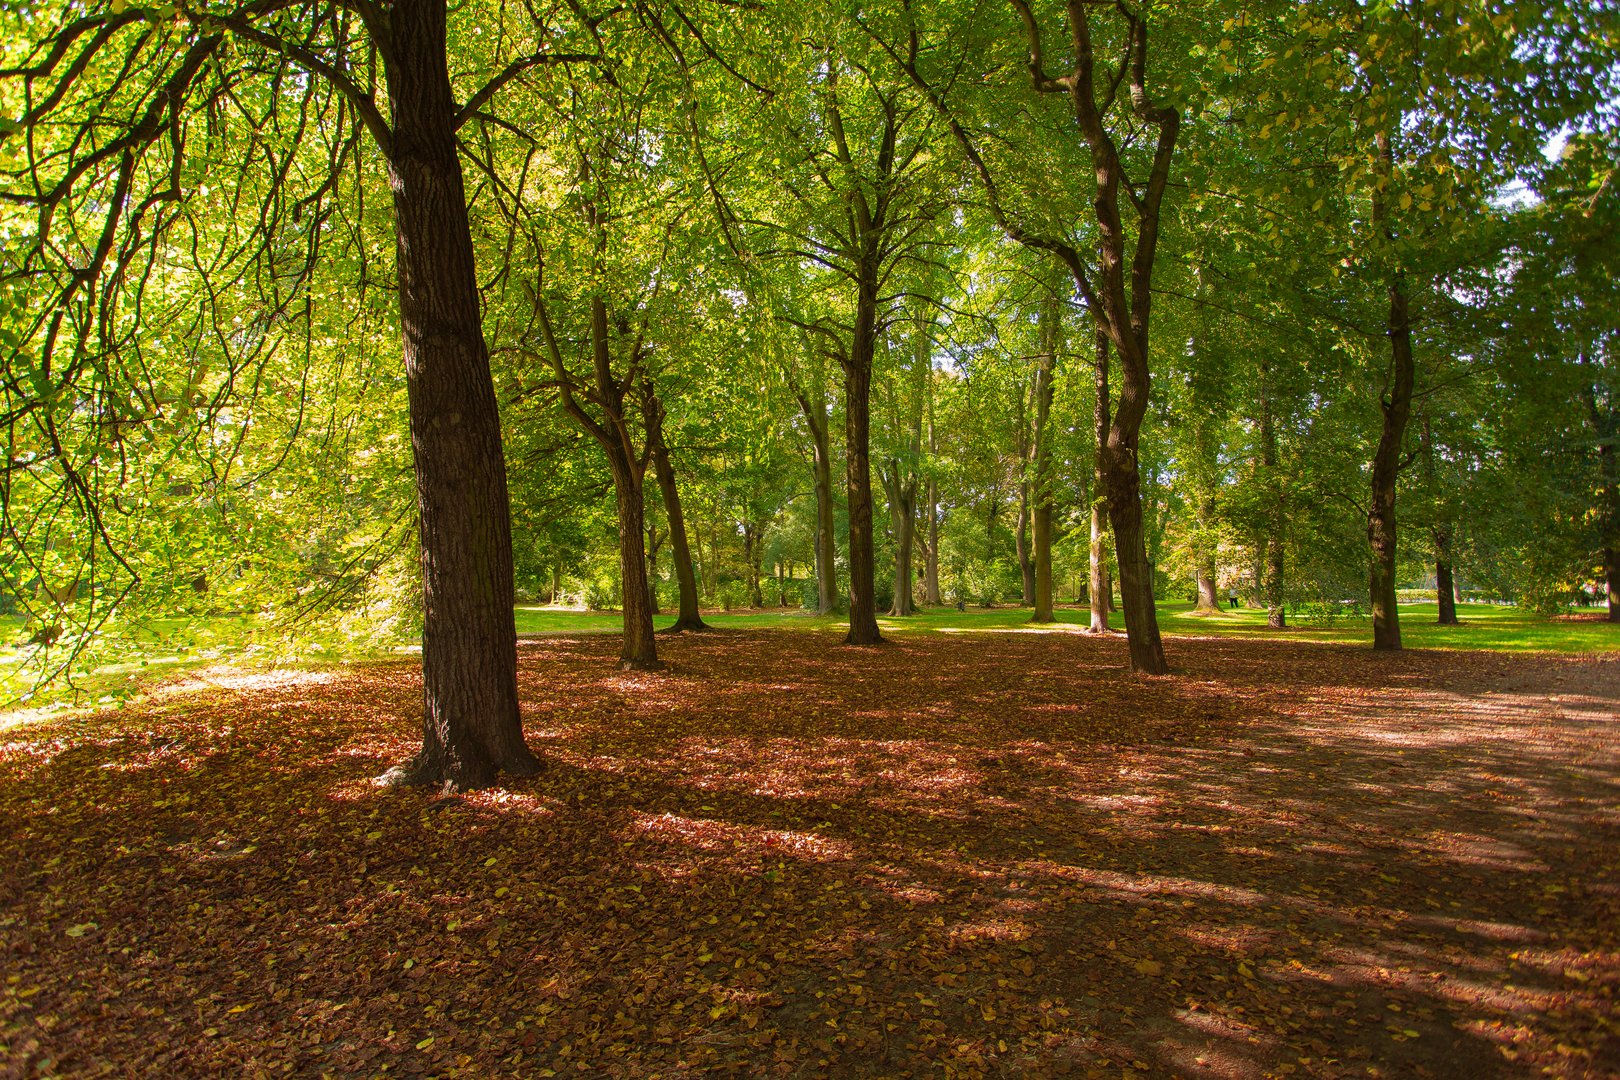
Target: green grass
<point>1484,626</point>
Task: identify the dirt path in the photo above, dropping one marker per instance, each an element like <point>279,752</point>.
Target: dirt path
<point>956,855</point>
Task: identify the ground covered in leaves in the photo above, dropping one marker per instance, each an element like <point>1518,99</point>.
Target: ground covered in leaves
<point>956,855</point>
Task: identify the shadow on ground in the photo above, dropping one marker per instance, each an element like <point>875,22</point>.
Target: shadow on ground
<point>963,855</point>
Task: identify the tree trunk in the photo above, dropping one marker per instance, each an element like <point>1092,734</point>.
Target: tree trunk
<point>639,652</point>
<point>753,555</point>
<point>471,729</point>
<point>902,505</point>
<point>1611,574</point>
<point>653,541</point>
<point>1045,388</point>
<point>679,547</point>
<point>1276,552</point>
<point>1208,600</point>
<point>826,547</point>
<point>1099,590</point>
<point>863,627</point>
<point>1123,484</point>
<point>931,595</point>
<point>1396,406</point>
<point>1445,589</point>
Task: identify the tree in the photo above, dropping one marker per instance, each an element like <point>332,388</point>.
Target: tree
<point>122,98</point>
<point>1113,268</point>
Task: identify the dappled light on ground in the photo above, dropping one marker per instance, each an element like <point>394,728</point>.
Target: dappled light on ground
<point>953,855</point>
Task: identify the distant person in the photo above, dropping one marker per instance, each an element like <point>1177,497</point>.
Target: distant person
<point>1231,596</point>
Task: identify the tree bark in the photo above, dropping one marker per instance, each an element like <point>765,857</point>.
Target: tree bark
<point>1026,566</point>
<point>1276,552</point>
<point>815,417</point>
<point>679,547</point>
<point>1208,601</point>
<point>1099,589</point>
<point>639,652</point>
<point>1045,388</point>
<point>1396,405</point>
<point>1445,588</point>
<point>863,627</point>
<point>653,542</point>
<point>471,729</point>
<point>753,556</point>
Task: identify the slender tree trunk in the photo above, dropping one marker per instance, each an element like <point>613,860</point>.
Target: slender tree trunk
<point>826,547</point>
<point>1396,406</point>
<point>863,627</point>
<point>471,728</point>
<point>1276,551</point>
<point>639,652</point>
<point>931,595</point>
<point>1099,589</point>
<point>556,582</point>
<point>653,541</point>
<point>679,547</point>
<point>1045,388</point>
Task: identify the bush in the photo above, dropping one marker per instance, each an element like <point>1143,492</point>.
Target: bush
<point>601,595</point>
<point>809,594</point>
<point>733,594</point>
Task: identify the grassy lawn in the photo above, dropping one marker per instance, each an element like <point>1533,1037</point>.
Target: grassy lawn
<point>1484,626</point>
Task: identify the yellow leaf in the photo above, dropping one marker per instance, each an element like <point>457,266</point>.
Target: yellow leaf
<point>425,1043</point>
<point>502,891</point>
<point>238,1009</point>
<point>1245,970</point>
<point>1149,967</point>
<point>490,861</point>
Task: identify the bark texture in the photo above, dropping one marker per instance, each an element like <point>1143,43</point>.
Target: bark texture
<point>471,729</point>
<point>1396,406</point>
<point>680,547</point>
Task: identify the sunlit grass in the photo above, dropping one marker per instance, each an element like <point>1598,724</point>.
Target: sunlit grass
<point>1491,627</point>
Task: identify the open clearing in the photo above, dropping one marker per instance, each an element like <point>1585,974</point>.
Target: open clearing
<point>956,854</point>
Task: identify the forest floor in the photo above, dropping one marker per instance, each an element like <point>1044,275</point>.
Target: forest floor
<point>952,855</point>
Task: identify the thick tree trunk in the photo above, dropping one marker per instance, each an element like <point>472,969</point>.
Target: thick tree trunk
<point>1099,590</point>
<point>863,627</point>
<point>1026,565</point>
<point>1276,613</point>
<point>1208,600</point>
<point>1122,483</point>
<point>1396,406</point>
<point>639,652</point>
<point>1445,589</point>
<point>680,548</point>
<point>471,728</point>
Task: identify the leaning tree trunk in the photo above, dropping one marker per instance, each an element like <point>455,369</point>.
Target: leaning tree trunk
<point>863,627</point>
<point>471,727</point>
<point>1396,406</point>
<point>680,548</point>
<point>1099,589</point>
